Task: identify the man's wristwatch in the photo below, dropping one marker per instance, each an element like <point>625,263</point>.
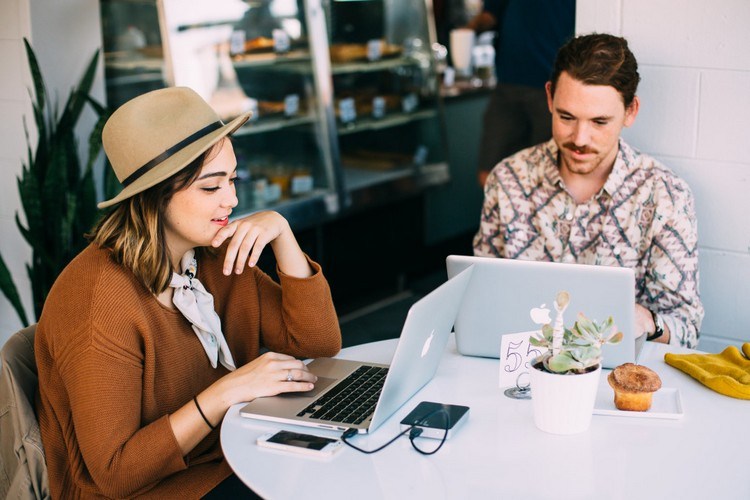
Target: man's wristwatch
<point>659,327</point>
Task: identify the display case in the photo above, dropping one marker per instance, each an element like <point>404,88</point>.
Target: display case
<point>385,97</point>
<point>343,93</point>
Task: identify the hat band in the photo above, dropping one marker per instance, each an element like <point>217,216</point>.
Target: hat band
<point>169,152</point>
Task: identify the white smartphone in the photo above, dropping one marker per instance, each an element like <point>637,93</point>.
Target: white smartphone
<point>301,443</point>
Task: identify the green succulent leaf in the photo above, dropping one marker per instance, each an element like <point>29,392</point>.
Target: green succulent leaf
<point>563,363</point>
<point>581,345</point>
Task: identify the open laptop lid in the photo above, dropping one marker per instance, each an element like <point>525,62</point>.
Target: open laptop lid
<point>424,336</point>
<point>503,293</point>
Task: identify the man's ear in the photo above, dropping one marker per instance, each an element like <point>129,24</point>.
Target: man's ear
<point>548,90</point>
<point>632,111</point>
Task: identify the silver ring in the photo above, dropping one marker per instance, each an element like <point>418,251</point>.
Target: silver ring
<point>289,377</point>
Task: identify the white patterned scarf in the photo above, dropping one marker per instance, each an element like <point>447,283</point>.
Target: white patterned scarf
<point>197,305</point>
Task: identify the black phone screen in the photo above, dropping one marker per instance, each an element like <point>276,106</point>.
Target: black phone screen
<point>300,440</point>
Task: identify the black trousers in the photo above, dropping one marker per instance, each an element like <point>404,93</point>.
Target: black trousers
<point>231,488</point>
<point>516,117</point>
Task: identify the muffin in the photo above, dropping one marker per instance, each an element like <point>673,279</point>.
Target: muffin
<point>634,386</point>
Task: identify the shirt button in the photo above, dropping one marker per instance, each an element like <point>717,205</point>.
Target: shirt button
<point>212,339</point>
<point>569,259</point>
<point>616,251</point>
<point>569,216</point>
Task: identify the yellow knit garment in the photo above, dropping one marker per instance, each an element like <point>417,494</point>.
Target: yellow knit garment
<point>727,373</point>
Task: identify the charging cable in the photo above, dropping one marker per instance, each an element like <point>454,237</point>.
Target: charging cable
<point>414,431</point>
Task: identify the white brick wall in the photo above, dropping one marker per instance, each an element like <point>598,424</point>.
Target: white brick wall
<point>695,117</point>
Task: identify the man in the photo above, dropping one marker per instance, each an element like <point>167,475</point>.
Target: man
<point>587,197</point>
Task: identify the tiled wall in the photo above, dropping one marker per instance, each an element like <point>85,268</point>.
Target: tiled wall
<point>695,117</point>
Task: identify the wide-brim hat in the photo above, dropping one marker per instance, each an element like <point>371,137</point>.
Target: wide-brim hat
<point>155,135</point>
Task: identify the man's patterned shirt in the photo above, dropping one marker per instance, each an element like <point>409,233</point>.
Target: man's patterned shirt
<point>643,218</point>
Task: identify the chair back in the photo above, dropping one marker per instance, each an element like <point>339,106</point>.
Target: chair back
<point>24,471</point>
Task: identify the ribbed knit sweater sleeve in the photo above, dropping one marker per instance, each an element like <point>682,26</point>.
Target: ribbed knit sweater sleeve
<point>114,363</point>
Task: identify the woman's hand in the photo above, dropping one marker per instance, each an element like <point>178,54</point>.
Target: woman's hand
<point>268,375</point>
<point>250,235</point>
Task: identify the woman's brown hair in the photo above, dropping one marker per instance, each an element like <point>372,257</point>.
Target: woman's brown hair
<point>134,229</point>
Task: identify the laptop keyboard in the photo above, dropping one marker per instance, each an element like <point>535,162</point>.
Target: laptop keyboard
<point>352,400</point>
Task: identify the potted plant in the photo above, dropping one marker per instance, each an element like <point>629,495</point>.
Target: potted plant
<point>564,379</point>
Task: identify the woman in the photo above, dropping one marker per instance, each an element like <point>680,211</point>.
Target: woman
<point>155,329</point>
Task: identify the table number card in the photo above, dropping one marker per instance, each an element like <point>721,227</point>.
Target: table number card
<point>281,42</point>
<point>237,42</point>
<point>378,107</point>
<point>409,103</point>
<point>347,110</point>
<point>516,354</point>
<point>291,105</point>
<point>374,50</point>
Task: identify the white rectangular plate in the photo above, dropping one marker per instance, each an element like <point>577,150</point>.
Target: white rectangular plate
<point>666,403</point>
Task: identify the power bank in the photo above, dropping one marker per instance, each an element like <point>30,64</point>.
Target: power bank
<point>431,418</point>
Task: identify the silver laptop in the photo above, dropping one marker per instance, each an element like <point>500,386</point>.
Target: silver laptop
<point>512,296</point>
<point>380,390</point>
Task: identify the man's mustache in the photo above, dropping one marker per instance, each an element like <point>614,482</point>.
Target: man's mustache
<point>579,149</point>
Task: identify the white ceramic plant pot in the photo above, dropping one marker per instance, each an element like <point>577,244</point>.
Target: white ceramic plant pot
<point>563,404</point>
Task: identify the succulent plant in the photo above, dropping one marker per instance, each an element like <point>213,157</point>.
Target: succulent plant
<point>577,349</point>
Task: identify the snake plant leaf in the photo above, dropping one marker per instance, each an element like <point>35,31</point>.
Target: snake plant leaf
<point>9,289</point>
<point>76,100</point>
<point>29,193</point>
<point>58,198</point>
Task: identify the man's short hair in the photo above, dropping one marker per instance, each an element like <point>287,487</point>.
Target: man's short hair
<point>599,59</point>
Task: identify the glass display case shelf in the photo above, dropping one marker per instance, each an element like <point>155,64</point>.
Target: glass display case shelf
<point>372,66</point>
<point>304,211</point>
<point>272,58</point>
<point>388,121</point>
<point>273,124</point>
<point>131,63</point>
<point>358,178</point>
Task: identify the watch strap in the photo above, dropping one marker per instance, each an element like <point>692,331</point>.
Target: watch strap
<point>658,328</point>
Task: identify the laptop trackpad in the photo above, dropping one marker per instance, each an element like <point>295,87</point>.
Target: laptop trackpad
<point>322,384</point>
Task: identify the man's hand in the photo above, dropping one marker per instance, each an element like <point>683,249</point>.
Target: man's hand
<point>644,324</point>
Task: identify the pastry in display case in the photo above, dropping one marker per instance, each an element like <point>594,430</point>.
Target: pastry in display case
<point>343,94</point>
<point>385,92</point>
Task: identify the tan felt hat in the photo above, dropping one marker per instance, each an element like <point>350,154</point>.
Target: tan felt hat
<point>157,134</point>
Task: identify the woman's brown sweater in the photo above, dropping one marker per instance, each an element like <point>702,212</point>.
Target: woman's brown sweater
<point>114,363</point>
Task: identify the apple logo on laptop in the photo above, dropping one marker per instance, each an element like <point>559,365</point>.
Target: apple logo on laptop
<point>540,315</point>
<point>427,343</point>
